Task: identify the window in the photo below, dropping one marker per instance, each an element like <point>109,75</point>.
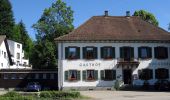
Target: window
<point>13,76</point>
<point>18,46</point>
<point>161,73</point>
<point>107,52</point>
<point>108,75</point>
<point>127,53</point>
<point>51,76</point>
<point>72,52</point>
<point>89,52</point>
<point>161,52</point>
<point>90,75</point>
<point>4,54</point>
<point>72,75</point>
<point>145,74</point>
<point>36,76</point>
<point>6,76</point>
<point>18,55</point>
<point>144,52</point>
<point>44,76</point>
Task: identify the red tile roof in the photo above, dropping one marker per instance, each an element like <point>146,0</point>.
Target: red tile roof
<point>104,28</point>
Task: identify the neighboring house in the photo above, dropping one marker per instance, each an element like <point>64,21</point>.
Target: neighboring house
<point>5,60</point>
<point>109,48</point>
<point>12,55</point>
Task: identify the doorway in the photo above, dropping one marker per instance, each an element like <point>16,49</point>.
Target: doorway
<point>127,76</point>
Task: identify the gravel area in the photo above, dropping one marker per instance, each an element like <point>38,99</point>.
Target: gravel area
<point>126,95</point>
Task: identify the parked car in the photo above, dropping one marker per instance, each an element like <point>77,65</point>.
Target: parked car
<point>33,86</point>
<point>162,85</point>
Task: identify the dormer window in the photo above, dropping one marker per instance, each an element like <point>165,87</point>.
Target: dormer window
<point>72,53</point>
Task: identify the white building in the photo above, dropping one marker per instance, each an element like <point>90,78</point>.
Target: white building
<point>109,48</point>
<point>12,51</point>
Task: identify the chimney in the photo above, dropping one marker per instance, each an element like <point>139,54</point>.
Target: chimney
<point>127,13</point>
<point>106,13</point>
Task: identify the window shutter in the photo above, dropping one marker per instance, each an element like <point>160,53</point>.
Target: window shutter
<point>131,52</point>
<point>101,52</point>
<point>121,52</point>
<point>151,73</point>
<point>102,75</point>
<point>66,52</point>
<point>66,75</point>
<point>95,52</point>
<point>77,52</point>
<point>113,52</point>
<point>78,75</point>
<point>84,52</point>
<point>96,74</point>
<point>149,51</point>
<point>166,52</point>
<point>114,74</point>
<point>139,52</point>
<point>167,71</point>
<point>156,52</point>
<point>84,74</point>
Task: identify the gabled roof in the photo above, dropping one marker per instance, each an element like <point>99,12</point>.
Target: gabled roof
<point>113,28</point>
<point>2,38</point>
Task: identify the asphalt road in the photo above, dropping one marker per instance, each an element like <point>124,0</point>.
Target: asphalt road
<point>126,95</point>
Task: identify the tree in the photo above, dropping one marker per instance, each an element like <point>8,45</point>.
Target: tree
<point>6,18</point>
<point>55,21</point>
<point>149,17</point>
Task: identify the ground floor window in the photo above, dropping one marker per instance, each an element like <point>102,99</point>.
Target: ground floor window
<point>108,75</point>
<point>72,75</point>
<point>145,74</point>
<point>90,75</point>
<point>161,73</point>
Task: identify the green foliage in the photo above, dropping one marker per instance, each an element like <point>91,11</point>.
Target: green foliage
<point>55,21</point>
<point>147,16</point>
<point>14,96</point>
<point>6,18</point>
<point>60,94</point>
<point>117,85</point>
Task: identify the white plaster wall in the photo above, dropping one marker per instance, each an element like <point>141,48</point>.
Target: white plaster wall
<point>107,64</point>
<point>3,60</point>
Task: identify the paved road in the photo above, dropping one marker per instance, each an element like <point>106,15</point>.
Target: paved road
<point>126,95</point>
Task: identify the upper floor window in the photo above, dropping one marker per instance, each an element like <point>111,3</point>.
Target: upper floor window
<point>18,55</point>
<point>18,46</point>
<point>107,52</point>
<point>72,75</point>
<point>108,75</point>
<point>127,53</point>
<point>144,52</point>
<point>90,52</point>
<point>72,52</point>
<point>4,54</point>
<point>161,52</point>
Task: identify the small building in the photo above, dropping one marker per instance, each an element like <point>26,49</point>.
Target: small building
<point>109,48</point>
<point>12,55</point>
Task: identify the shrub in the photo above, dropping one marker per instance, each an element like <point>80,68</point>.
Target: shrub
<point>59,94</point>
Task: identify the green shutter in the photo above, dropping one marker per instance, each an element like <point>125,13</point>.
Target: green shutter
<point>166,52</point>
<point>156,52</point>
<point>66,75</point>
<point>121,52</point>
<point>77,52</point>
<point>131,52</point>
<point>95,53</point>
<point>139,52</point>
<point>84,74</point>
<point>113,52</point>
<point>78,75</point>
<point>151,73</point>
<point>114,74</point>
<point>149,52</point>
<point>96,74</point>
<point>101,52</point>
<point>102,74</point>
<point>84,52</point>
<point>66,52</point>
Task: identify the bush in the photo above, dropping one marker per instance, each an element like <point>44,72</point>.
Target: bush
<point>59,94</point>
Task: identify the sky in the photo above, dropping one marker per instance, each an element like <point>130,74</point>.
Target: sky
<point>29,11</point>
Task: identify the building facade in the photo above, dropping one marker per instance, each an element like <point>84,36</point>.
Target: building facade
<point>109,48</point>
<point>12,55</point>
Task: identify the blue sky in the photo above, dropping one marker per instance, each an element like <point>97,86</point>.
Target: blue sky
<point>31,10</point>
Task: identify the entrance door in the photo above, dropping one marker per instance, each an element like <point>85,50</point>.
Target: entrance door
<point>127,76</point>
